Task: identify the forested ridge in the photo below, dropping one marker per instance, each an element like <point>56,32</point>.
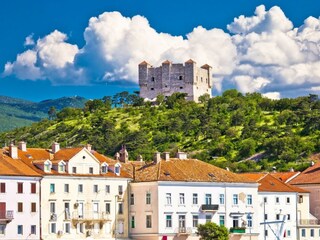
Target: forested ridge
<point>243,132</point>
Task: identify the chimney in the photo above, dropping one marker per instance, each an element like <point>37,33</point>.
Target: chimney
<point>291,170</point>
<point>181,155</point>
<point>156,157</point>
<point>55,147</point>
<point>23,146</point>
<point>88,147</point>
<point>166,156</point>
<point>311,163</point>
<point>124,156</point>
<point>13,151</point>
<point>139,158</point>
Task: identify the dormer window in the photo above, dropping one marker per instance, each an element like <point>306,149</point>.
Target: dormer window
<point>47,166</point>
<point>117,169</point>
<point>104,168</point>
<point>61,167</point>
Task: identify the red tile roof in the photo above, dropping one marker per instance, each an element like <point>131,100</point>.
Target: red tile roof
<point>189,170</point>
<point>270,183</point>
<point>309,176</point>
<point>284,176</point>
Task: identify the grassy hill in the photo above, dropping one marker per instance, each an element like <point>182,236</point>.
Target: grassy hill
<point>242,132</point>
<point>16,113</point>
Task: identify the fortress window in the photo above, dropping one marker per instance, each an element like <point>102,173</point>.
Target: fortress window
<point>180,77</point>
<point>152,89</point>
<point>152,79</point>
<point>181,87</point>
<point>166,86</point>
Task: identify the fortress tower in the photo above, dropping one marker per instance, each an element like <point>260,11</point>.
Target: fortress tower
<point>175,77</point>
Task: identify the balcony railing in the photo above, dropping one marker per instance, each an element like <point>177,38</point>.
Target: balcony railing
<point>90,216</point>
<point>237,230</point>
<point>209,207</point>
<point>184,231</point>
<point>6,215</point>
<point>309,222</point>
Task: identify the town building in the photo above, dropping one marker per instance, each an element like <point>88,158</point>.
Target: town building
<point>19,198</point>
<point>171,77</point>
<point>83,193</point>
<point>279,205</point>
<point>308,221</point>
<point>170,197</point>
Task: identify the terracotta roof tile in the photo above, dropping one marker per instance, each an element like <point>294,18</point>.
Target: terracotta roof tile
<point>66,154</point>
<point>284,176</point>
<point>190,170</point>
<point>309,176</point>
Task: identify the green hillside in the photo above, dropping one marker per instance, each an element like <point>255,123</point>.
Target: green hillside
<point>16,113</point>
<point>242,132</point>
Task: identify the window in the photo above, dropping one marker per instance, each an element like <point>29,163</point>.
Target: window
<point>2,229</point>
<point>91,170</point>
<point>66,188</point>
<point>80,227</point>
<point>107,188</point>
<point>52,188</point>
<point>266,233</point>
<point>120,189</point>
<point>47,167</point>
<point>311,232</point>
<point>152,89</point>
<point>235,222</point>
<point>33,188</point>
<point>182,221</point>
<point>265,216</point>
<point>235,199</point>
<point>277,200</point>
<point>120,208</point>
<point>67,210</point>
<point>2,187</point>
<point>95,188</point>
<point>67,227</point>
<point>181,87</point>
<point>80,188</point>
<point>288,199</point>
<point>265,200</point>
<point>221,220</point>
<point>168,197</point>
<point>52,207</point>
<point>53,228</point>
<point>208,218</point>
<point>133,224</point>
<point>288,217</point>
<point>61,167</point>
<point>168,221</point>
<point>288,233</point>
<point>148,221</point>
<point>20,187</point>
<point>195,198</point>
<point>33,207</point>
<point>303,232</point>
<point>180,77</point>
<point>152,79</point>
<point>181,198</point>
<point>117,169</point>
<point>300,199</point>
<point>74,169</point>
<point>33,229</point>
<point>20,207</point>
<point>104,168</point>
<point>249,220</point>
<point>249,199</point>
<point>195,221</point>
<point>148,198</point>
<point>208,199</point>
<point>277,216</point>
<point>108,208</point>
<point>131,199</point>
<point>221,198</point>
<point>20,229</point>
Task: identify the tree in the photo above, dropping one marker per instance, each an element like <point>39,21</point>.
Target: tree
<point>52,113</point>
<point>212,231</point>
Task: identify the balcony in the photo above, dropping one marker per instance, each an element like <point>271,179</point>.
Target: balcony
<point>183,231</point>
<point>90,217</point>
<point>6,216</point>
<point>209,207</point>
<point>237,230</point>
<point>311,222</point>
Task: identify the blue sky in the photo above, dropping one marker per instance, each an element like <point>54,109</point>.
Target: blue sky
<point>272,50</point>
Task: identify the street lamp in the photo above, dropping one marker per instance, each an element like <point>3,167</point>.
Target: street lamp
<point>115,216</point>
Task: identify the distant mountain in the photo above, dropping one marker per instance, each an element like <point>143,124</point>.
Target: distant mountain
<point>16,112</point>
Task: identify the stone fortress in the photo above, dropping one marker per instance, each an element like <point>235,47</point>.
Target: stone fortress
<point>175,77</point>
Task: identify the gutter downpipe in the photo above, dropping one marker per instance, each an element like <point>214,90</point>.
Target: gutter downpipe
<point>40,215</point>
